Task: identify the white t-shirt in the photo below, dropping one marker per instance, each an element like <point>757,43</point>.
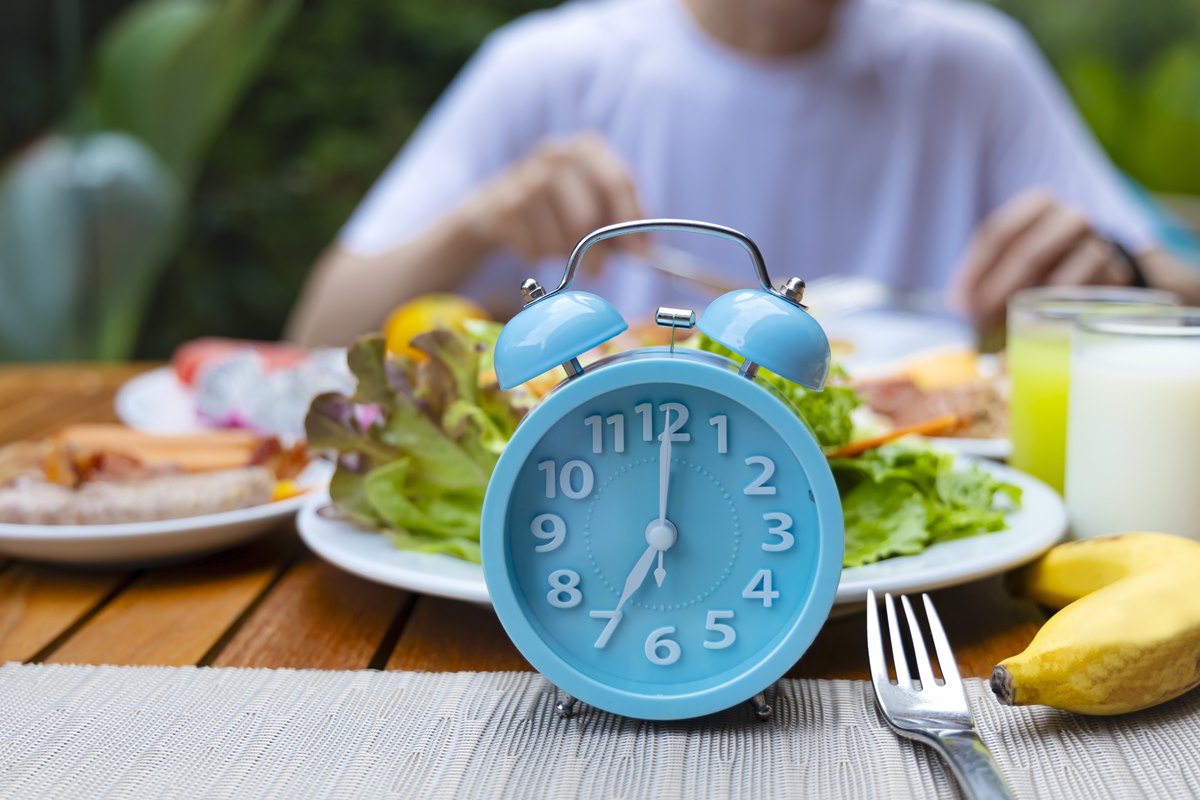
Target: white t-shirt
<point>875,155</point>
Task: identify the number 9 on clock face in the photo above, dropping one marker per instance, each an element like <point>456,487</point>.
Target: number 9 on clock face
<point>662,548</point>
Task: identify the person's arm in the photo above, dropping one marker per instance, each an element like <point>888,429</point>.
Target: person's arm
<point>348,293</point>
<point>537,208</point>
<point>1165,271</point>
<point>1035,240</point>
<point>1052,203</point>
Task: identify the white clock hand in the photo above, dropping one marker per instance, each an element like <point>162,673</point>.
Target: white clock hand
<point>664,468</point>
<point>660,536</point>
<point>664,487</point>
<point>634,582</point>
<point>637,577</point>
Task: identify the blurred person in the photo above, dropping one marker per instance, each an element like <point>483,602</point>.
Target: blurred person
<point>922,143</point>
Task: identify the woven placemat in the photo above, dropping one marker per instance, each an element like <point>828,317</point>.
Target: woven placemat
<point>71,731</point>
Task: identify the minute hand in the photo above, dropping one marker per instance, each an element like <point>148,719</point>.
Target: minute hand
<point>664,487</point>
<point>664,468</point>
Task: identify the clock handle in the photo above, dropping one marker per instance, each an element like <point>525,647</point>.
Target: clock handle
<point>644,225</point>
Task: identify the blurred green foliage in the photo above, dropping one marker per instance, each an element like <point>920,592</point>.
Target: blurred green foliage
<point>347,84</point>
<point>1133,69</point>
<point>349,79</point>
<point>90,211</point>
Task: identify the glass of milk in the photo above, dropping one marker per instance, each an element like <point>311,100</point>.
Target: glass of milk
<point>1040,322</point>
<point>1133,438</point>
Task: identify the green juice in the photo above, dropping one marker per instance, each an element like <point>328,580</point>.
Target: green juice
<point>1039,369</point>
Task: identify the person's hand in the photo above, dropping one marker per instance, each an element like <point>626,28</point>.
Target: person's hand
<point>544,204</point>
<point>1032,240</point>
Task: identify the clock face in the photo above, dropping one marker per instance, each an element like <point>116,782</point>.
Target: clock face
<point>664,538</point>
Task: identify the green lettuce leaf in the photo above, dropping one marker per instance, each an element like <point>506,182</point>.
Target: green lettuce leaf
<point>883,520</point>
<point>398,499</point>
<point>465,547</point>
<point>417,441</point>
<point>826,412</point>
<point>902,497</point>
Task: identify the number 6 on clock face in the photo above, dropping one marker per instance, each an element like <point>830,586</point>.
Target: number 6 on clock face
<point>641,530</point>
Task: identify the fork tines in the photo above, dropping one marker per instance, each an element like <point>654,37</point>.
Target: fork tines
<point>941,645</point>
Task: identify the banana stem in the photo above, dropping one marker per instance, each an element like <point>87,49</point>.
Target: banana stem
<point>1002,686</point>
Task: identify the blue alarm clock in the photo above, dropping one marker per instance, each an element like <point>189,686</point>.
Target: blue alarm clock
<point>662,537</point>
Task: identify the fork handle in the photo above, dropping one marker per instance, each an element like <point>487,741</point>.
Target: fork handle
<point>972,765</point>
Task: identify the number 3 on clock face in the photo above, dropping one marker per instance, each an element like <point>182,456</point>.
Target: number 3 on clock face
<point>663,539</point>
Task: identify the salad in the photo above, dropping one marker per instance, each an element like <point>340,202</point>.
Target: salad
<point>417,441</point>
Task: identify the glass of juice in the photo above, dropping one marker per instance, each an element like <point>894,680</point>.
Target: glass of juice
<point>1133,446</point>
<point>1040,322</point>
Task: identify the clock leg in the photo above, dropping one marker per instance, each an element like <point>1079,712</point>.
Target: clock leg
<point>566,706</point>
<point>762,709</point>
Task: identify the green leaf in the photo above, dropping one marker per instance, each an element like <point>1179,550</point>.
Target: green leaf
<point>420,468</point>
<point>827,412</point>
<point>402,505</point>
<point>348,491</point>
<point>463,547</point>
<point>956,500</point>
<point>366,359</point>
<point>171,71</point>
<point>883,520</point>
<point>332,425</point>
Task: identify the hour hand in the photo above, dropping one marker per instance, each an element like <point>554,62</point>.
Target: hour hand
<point>638,576</point>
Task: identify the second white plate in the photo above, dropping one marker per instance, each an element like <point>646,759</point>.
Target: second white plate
<point>1036,526</point>
<point>141,543</point>
<point>156,402</point>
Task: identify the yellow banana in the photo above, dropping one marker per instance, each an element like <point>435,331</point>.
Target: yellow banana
<point>1129,635</point>
<point>1071,570</point>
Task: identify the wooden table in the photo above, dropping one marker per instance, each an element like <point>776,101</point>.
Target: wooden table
<point>272,603</point>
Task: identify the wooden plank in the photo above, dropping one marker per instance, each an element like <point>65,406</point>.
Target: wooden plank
<point>77,378</point>
<point>173,616</point>
<point>318,617</point>
<point>40,415</point>
<point>36,400</point>
<point>447,635</point>
<point>39,603</point>
<point>983,623</point>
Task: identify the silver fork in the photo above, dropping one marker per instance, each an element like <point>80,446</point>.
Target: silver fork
<point>930,712</point>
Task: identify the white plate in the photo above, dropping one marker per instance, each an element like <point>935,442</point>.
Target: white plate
<point>157,402</point>
<point>270,402</point>
<point>998,449</point>
<point>1038,524</point>
<point>163,540</point>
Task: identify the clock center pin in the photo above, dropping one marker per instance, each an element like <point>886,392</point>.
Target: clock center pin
<point>661,534</point>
